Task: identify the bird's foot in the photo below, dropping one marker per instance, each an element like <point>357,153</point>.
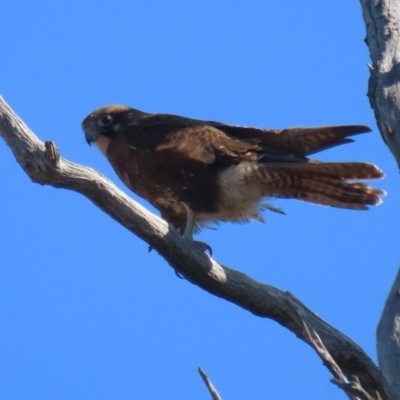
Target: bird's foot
<point>179,275</point>
<point>201,246</point>
<point>188,233</point>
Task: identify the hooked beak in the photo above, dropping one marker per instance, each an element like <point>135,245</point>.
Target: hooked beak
<point>90,135</point>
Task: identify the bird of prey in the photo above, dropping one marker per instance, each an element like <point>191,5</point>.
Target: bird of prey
<point>195,172</point>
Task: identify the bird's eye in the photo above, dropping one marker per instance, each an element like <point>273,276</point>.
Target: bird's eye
<point>106,120</point>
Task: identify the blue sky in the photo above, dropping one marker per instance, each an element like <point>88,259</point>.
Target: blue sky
<point>85,310</point>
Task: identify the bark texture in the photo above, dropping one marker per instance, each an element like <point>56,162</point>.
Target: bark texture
<point>388,337</point>
<point>382,20</point>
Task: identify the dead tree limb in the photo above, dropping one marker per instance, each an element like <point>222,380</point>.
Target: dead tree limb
<point>382,19</point>
<point>214,393</point>
<point>43,164</point>
<point>388,337</point>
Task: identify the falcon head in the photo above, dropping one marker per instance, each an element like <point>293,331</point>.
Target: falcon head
<point>107,121</point>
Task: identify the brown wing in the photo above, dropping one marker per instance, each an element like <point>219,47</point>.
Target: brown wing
<point>208,141</point>
<point>298,141</point>
<point>207,144</point>
<point>231,144</point>
<point>187,138</point>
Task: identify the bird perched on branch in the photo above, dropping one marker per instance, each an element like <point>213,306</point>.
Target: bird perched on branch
<point>196,172</point>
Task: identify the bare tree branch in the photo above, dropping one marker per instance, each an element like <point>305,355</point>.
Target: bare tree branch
<point>43,164</point>
<point>382,19</point>
<point>214,393</point>
<point>388,337</point>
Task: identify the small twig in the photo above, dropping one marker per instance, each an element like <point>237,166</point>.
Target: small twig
<point>316,343</point>
<point>352,388</point>
<point>355,388</point>
<point>210,386</point>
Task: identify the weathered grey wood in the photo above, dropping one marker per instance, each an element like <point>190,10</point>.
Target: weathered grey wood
<point>388,337</point>
<point>382,19</point>
<point>44,165</point>
<point>214,393</point>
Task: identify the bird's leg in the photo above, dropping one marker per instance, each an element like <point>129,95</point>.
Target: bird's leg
<point>190,223</point>
<point>188,234</point>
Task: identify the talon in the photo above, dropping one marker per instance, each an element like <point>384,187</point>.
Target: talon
<point>202,246</point>
<point>178,274</point>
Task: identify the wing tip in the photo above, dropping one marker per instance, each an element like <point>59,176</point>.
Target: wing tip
<point>359,129</point>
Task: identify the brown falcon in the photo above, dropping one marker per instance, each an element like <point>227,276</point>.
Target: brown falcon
<point>196,172</point>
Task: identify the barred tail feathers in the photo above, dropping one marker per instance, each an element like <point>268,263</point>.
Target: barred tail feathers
<point>325,184</point>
